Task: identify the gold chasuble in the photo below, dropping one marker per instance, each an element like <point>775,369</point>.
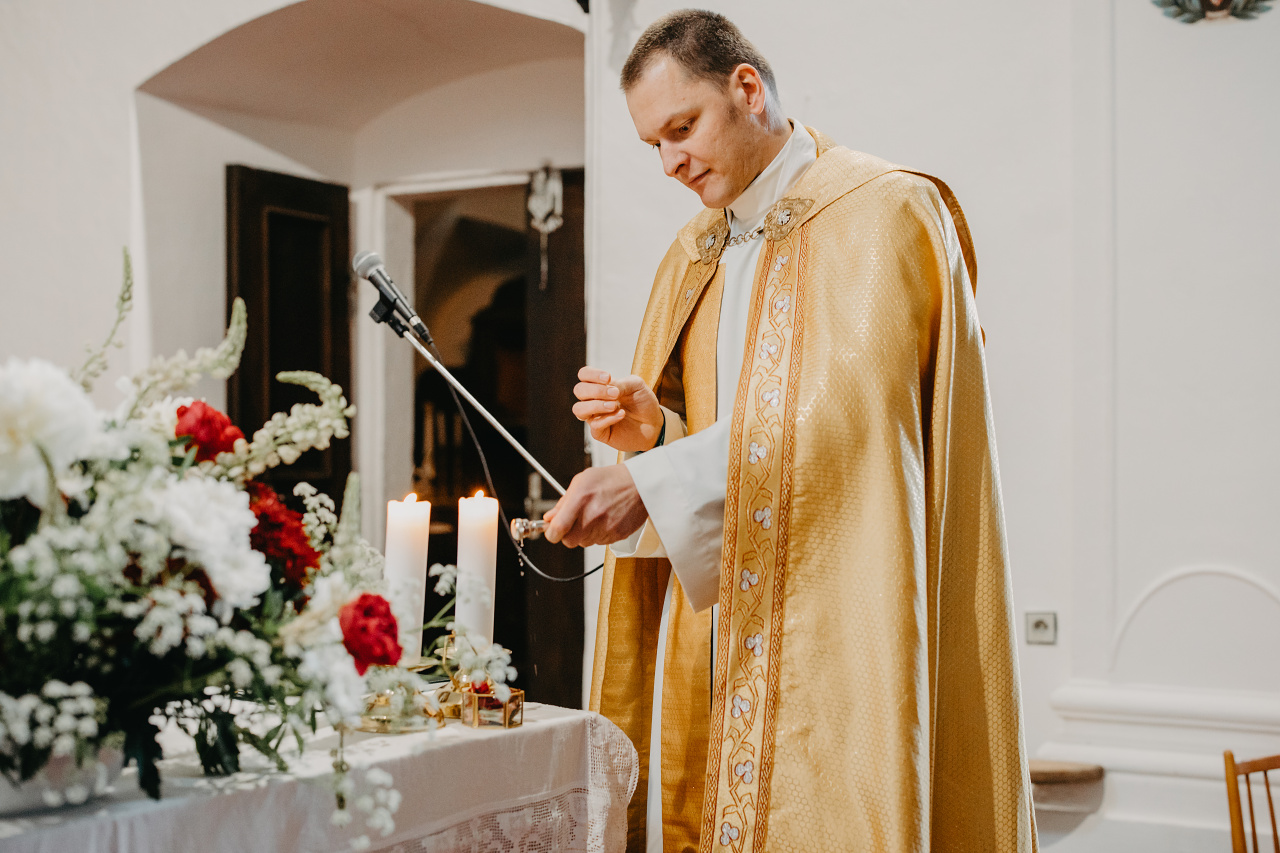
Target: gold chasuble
<point>864,692</point>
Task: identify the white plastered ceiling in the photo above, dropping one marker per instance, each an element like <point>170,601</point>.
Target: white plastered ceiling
<point>338,64</point>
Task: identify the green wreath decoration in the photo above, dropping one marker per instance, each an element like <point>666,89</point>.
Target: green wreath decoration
<point>1192,11</point>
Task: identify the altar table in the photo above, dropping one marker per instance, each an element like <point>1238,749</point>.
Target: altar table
<point>560,782</point>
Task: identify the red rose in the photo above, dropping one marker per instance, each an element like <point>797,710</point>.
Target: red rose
<point>369,632</point>
<point>210,429</point>
<point>280,537</point>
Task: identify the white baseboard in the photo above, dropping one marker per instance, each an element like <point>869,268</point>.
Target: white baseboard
<point>1164,787</point>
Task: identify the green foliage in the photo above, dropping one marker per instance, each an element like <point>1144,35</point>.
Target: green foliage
<point>216,743</point>
<point>1193,11</point>
<point>143,749</point>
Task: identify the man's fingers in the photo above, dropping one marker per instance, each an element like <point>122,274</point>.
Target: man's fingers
<point>589,409</point>
<point>595,391</point>
<point>601,425</point>
<point>563,516</point>
<point>630,384</point>
<point>593,374</point>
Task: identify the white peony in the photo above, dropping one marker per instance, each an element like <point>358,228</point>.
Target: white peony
<point>41,408</point>
<point>210,521</point>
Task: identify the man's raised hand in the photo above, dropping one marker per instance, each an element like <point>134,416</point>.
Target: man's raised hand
<point>623,413</point>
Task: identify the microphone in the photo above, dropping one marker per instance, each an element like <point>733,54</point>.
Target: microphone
<point>369,265</point>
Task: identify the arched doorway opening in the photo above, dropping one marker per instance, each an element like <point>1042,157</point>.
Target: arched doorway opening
<point>396,100</point>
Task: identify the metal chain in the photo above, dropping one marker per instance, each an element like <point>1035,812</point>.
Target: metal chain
<point>744,237</point>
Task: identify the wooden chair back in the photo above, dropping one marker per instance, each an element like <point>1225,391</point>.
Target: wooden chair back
<point>1234,770</point>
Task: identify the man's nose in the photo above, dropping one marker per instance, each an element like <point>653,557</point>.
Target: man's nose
<point>672,159</point>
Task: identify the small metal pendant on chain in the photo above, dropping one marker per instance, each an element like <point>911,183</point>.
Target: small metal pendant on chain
<point>744,237</point>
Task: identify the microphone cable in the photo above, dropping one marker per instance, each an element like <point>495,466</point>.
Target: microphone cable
<point>521,556</point>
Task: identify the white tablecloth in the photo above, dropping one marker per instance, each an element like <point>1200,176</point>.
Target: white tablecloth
<point>561,782</point>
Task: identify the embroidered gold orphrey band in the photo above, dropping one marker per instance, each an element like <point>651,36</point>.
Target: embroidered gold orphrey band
<point>736,804</point>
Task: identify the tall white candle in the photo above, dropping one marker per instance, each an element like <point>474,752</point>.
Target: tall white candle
<point>477,562</point>
<point>408,528</point>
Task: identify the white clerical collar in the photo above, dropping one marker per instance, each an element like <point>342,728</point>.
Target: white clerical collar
<point>797,155</point>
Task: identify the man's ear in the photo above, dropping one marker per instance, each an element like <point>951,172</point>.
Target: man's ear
<point>748,81</point>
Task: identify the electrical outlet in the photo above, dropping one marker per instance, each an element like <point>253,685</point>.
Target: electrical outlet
<point>1042,628</point>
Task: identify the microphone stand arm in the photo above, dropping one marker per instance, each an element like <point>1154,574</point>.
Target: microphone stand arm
<point>385,312</point>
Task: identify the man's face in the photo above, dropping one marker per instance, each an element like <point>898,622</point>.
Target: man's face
<point>703,132</point>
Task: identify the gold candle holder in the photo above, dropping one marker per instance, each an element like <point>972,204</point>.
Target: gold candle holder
<point>459,702</point>
<point>385,715</point>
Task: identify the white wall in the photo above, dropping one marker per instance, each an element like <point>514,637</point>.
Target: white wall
<point>1116,173</point>
<point>510,119</point>
<point>69,71</point>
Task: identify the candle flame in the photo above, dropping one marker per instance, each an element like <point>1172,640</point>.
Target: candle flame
<point>479,493</point>
<point>412,497</point>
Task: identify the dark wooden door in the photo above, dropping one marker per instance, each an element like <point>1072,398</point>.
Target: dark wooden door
<point>287,256</point>
<point>557,346</point>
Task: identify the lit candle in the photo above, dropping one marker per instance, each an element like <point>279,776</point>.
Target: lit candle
<point>477,561</point>
<point>408,528</point>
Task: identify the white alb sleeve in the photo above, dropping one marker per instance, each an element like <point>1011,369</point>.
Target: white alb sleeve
<point>645,542</point>
<point>682,484</point>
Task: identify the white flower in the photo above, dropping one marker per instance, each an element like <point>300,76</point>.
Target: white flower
<point>241,672</point>
<point>331,667</point>
<point>64,744</point>
<point>448,577</point>
<point>41,409</point>
<point>485,661</point>
<point>161,417</point>
<point>56,689</point>
<point>210,520</point>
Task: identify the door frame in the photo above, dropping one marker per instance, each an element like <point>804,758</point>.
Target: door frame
<point>381,222</point>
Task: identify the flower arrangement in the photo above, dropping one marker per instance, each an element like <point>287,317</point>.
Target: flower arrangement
<point>148,579</point>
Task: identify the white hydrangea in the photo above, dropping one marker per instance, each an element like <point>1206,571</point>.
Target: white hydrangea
<point>210,520</point>
<point>41,409</point>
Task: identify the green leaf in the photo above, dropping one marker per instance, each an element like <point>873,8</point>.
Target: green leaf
<point>142,748</point>
<point>216,743</point>
<point>264,746</point>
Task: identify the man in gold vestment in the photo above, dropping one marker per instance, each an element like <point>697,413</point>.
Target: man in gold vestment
<point>809,638</point>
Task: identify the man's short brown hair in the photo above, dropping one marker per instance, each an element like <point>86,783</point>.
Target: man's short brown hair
<point>706,44</point>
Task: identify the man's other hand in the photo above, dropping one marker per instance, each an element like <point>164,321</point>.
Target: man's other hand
<point>624,414</point>
<point>601,507</point>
